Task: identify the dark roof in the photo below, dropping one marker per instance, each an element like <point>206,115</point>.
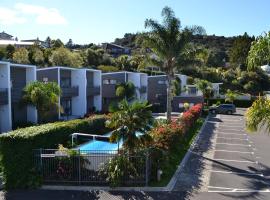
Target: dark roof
<point>6,34</point>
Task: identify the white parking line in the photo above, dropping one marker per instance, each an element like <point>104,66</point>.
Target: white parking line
<point>232,138</point>
<point>240,173</point>
<point>229,125</point>
<point>231,190</point>
<point>241,161</point>
<point>231,129</point>
<point>225,133</point>
<point>243,145</point>
<point>221,150</point>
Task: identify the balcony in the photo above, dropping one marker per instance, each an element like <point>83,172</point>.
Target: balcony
<point>93,90</point>
<point>3,96</point>
<point>70,91</point>
<point>16,94</point>
<point>108,91</point>
<point>143,89</point>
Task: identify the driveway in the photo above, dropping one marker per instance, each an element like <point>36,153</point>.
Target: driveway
<point>225,163</point>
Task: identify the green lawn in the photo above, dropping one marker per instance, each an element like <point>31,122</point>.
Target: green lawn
<point>176,157</point>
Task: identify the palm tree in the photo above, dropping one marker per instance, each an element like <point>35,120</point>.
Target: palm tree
<point>230,96</point>
<point>206,88</point>
<point>258,115</point>
<point>128,120</point>
<point>167,42</point>
<point>43,96</point>
<point>125,91</point>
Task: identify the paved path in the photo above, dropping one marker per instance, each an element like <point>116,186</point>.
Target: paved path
<point>226,163</point>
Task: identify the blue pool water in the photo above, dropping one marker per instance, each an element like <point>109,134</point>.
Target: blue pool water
<point>96,145</point>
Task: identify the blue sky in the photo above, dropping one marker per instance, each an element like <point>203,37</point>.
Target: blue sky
<point>100,21</point>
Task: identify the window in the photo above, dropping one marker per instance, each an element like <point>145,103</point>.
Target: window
<point>67,108</point>
<point>108,82</point>
<point>65,82</point>
<point>45,79</point>
<point>162,82</point>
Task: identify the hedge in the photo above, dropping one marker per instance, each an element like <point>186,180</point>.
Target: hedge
<point>237,103</point>
<point>16,147</point>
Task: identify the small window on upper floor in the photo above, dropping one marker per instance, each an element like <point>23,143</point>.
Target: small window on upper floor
<point>45,79</point>
<point>161,82</point>
<point>112,81</point>
<point>106,82</point>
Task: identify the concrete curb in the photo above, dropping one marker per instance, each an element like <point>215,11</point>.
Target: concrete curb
<point>167,188</point>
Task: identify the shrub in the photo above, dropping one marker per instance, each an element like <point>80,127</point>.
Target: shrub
<point>16,147</point>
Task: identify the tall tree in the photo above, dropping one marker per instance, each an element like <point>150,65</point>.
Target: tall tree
<point>206,88</point>
<point>259,53</point>
<point>239,51</point>
<point>167,41</point>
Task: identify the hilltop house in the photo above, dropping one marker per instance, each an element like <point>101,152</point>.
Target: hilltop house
<point>116,50</point>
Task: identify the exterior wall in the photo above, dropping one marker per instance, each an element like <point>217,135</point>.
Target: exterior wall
<point>144,83</point>
<point>98,83</point>
<point>18,81</point>
<point>31,110</point>
<point>108,90</point>
<point>78,78</point>
<point>50,75</point>
<point>136,80</point>
<point>5,110</point>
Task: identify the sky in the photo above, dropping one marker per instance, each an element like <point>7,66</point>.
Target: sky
<point>97,21</point>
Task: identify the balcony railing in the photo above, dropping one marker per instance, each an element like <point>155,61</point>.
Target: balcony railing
<point>93,90</point>
<point>3,96</point>
<point>143,89</point>
<point>70,91</point>
<point>16,94</point>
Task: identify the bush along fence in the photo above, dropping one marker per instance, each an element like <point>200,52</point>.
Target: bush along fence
<point>170,140</point>
<point>16,147</point>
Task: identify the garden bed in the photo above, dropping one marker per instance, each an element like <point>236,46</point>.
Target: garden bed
<point>175,157</point>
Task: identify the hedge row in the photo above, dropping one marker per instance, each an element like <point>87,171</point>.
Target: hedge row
<point>237,103</point>
<point>16,147</point>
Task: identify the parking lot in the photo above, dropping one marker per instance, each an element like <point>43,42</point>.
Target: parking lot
<point>237,166</point>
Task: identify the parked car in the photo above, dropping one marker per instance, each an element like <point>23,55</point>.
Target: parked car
<point>223,109</point>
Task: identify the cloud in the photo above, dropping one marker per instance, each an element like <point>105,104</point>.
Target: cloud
<point>8,16</point>
<point>22,12</point>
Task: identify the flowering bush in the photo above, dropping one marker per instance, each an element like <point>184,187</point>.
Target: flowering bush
<point>168,136</point>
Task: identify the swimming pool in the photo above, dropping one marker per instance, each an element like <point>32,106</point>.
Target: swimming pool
<point>97,145</point>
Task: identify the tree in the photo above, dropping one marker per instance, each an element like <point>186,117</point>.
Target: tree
<point>125,91</point>
<point>239,51</point>
<point>167,42</point>
<point>2,53</point>
<point>206,88</point>
<point>64,57</point>
<point>43,96</point>
<point>21,56</point>
<point>10,49</point>
<point>176,88</point>
<point>69,44</point>
<point>38,57</point>
<point>259,53</point>
<point>57,43</point>
<point>129,119</point>
<point>230,96</point>
<point>123,62</point>
<point>105,68</point>
<point>257,115</point>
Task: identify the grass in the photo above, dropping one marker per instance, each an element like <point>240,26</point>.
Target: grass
<point>176,157</point>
